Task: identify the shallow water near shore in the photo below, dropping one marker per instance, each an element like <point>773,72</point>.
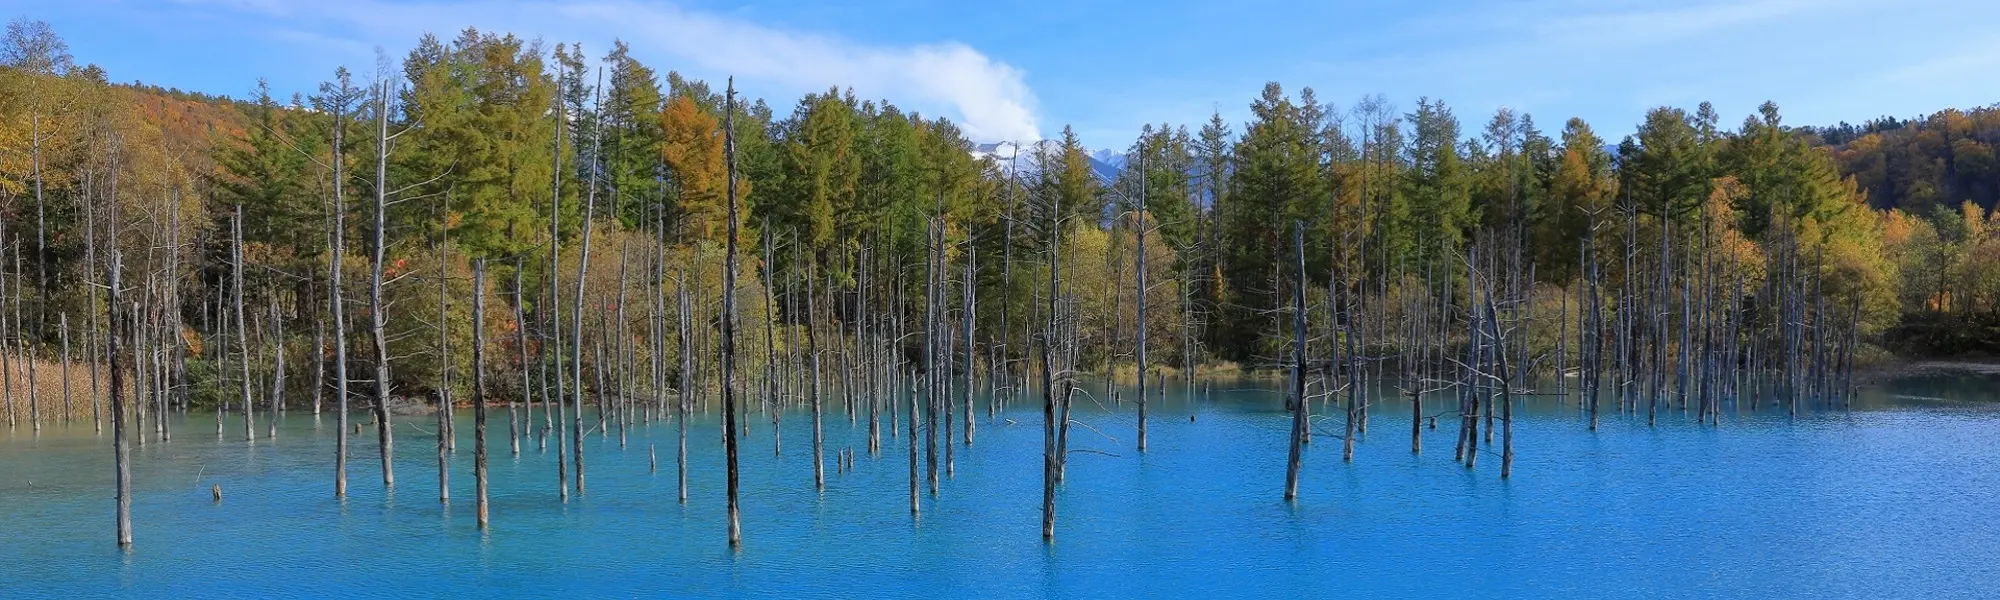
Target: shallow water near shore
<point>1894,497</point>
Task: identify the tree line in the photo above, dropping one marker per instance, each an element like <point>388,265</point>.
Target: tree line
<point>504,221</point>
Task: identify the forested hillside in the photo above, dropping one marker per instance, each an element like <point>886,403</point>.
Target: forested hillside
<point>485,145</point>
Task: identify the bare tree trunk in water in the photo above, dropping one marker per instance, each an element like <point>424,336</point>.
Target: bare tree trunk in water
<point>1005,371</point>
<point>947,352</point>
<point>90,266</point>
<point>812,348</point>
<point>378,328</point>
<point>861,335</point>
<point>618,351</point>
<point>576,318</point>
<point>336,303</point>
<point>933,313</point>
<point>1141,293</point>
<point>1300,409</point>
<point>1505,379</point>
<point>318,366</point>
<point>1052,443</point>
<point>687,379</point>
<point>517,424</point>
<point>277,371</point>
<point>479,386</point>
<point>969,305</point>
<point>121,454</point>
<point>444,433</point>
<point>242,325</point>
<point>770,382</point>
<point>729,315</point>
<point>6,354</point>
<point>553,401</point>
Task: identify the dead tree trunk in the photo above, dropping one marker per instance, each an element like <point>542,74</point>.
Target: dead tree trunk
<point>812,348</point>
<point>1051,444</point>
<point>619,335</point>
<point>1300,409</point>
<point>121,454</point>
<point>444,405</point>
<point>378,328</point>
<point>968,312</point>
<point>576,317</point>
<point>69,414</point>
<point>929,360</point>
<point>242,325</point>
<point>336,302</point>
<point>318,366</point>
<point>933,316</point>
<point>90,295</point>
<point>479,386</point>
<point>1141,300</point>
<point>770,382</point>
<point>6,353</point>
<point>729,314</point>
<point>517,425</point>
<point>687,379</point>
<point>1005,371</point>
<point>277,371</point>
<point>1504,377</point>
<point>553,401</point>
<point>947,352</point>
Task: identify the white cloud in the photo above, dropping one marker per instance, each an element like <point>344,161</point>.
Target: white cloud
<point>989,99</point>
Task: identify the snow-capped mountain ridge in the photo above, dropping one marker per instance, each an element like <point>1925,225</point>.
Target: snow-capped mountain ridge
<point>1008,155</point>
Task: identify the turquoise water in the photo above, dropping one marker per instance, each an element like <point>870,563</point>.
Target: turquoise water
<point>1894,499</point>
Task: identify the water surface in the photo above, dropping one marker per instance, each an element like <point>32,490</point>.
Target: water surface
<point>1896,497</point>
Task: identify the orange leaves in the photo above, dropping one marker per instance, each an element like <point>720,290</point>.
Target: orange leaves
<point>692,147</point>
<point>192,339</point>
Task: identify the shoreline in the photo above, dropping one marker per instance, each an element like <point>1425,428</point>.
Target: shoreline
<point>1897,369</point>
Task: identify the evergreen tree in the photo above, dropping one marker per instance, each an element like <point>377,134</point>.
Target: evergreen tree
<point>481,139</point>
<point>1436,182</point>
<point>1579,194</point>
<point>1665,171</point>
<point>1167,161</point>
<point>267,175</point>
<point>1276,176</point>
<point>633,172</point>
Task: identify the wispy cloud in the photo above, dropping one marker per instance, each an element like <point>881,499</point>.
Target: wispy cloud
<point>990,99</point>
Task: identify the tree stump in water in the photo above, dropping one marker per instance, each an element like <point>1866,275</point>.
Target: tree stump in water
<point>216,491</point>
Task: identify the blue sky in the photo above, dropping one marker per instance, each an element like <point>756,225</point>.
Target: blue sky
<point>1013,70</point>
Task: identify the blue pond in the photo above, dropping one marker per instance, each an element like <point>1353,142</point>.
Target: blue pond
<point>1894,498</point>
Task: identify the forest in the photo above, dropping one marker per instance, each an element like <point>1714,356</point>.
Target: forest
<point>592,241</point>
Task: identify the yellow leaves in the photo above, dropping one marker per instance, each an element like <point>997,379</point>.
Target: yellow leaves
<point>262,253</point>
<point>1899,227</point>
<point>1104,273</point>
<point>1730,243</point>
<point>1974,218</point>
<point>192,339</point>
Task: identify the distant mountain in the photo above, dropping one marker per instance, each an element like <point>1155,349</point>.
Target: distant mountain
<point>1113,158</point>
<point>1105,163</point>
